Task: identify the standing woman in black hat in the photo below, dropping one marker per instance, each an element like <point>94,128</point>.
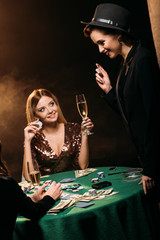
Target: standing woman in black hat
<point>134,96</point>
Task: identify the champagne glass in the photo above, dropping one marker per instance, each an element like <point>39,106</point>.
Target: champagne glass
<point>34,176</point>
<point>82,108</point>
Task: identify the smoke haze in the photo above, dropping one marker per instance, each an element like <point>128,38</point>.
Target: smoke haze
<point>42,46</point>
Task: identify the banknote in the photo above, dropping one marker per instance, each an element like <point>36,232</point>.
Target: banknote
<point>81,173</point>
<point>64,204</point>
<point>86,197</point>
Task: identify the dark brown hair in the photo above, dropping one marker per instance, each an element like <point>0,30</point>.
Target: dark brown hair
<point>3,167</point>
<point>128,39</point>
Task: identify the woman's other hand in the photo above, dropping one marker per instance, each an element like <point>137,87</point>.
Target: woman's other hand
<point>39,194</point>
<point>31,129</point>
<point>102,79</point>
<point>148,183</point>
<point>54,191</point>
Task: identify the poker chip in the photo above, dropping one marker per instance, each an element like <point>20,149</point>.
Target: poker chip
<point>75,190</point>
<point>48,181</point>
<point>101,175</point>
<point>94,180</point>
<point>40,123</point>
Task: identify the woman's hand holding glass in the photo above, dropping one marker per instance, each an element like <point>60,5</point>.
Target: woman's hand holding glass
<point>86,126</point>
<point>83,111</point>
<point>103,79</point>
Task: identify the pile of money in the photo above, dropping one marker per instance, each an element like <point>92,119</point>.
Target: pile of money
<point>100,194</point>
<point>86,197</point>
<point>81,173</point>
<point>64,204</point>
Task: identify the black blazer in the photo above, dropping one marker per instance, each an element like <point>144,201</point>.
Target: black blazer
<point>139,100</point>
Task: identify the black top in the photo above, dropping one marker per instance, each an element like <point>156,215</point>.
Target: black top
<point>14,201</point>
<point>138,96</point>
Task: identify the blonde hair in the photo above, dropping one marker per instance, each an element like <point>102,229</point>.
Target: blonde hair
<point>33,100</point>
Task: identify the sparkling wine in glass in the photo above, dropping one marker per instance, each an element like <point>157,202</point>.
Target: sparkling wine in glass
<point>82,108</point>
<point>34,176</point>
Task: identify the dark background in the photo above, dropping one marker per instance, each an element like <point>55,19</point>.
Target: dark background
<point>42,46</point>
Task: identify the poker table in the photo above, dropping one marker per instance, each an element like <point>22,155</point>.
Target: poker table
<point>129,214</point>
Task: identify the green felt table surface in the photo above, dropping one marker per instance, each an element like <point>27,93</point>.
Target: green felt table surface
<point>126,215</point>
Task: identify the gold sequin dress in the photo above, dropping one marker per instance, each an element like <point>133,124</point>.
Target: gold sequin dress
<point>46,160</point>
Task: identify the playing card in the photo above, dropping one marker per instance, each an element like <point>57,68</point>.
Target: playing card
<point>66,180</point>
<point>83,204</point>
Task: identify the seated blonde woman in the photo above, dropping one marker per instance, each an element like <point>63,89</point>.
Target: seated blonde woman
<point>57,145</point>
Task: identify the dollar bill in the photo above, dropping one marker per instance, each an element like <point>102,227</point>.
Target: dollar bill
<point>81,173</point>
<point>86,197</point>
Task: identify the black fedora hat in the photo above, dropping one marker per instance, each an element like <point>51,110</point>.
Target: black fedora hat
<point>113,16</point>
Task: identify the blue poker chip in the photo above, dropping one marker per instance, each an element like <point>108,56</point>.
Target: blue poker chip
<point>101,175</point>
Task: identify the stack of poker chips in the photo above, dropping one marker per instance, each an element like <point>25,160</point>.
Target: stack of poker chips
<point>27,188</point>
<point>100,176</point>
<point>73,187</point>
<point>92,192</point>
